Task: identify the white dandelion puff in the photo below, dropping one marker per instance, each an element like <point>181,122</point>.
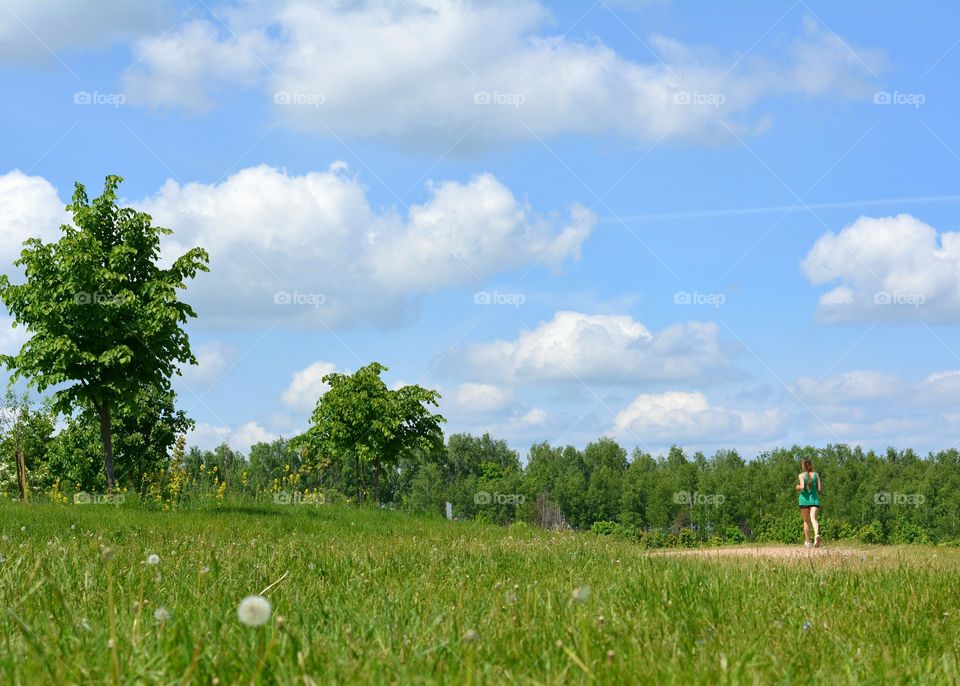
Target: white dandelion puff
<point>161,614</point>
<point>153,560</point>
<point>254,610</point>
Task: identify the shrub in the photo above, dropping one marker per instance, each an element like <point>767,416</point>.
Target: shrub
<point>687,538</point>
<point>907,532</point>
<point>786,527</point>
<point>603,528</point>
<point>732,535</point>
<point>871,533</point>
<point>716,541</point>
<point>652,539</point>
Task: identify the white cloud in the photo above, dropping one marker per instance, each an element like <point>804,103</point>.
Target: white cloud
<point>29,208</point>
<point>314,244</point>
<point>426,72</point>
<point>855,386</point>
<point>480,398</point>
<point>241,437</point>
<point>604,349</point>
<point>680,417</point>
<point>307,386</point>
<point>940,387</point>
<point>887,269</point>
<point>11,339</point>
<point>213,359</point>
<point>174,80</point>
<point>312,251</point>
<point>29,30</point>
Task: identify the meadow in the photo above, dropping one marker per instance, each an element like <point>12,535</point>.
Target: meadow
<point>121,594</point>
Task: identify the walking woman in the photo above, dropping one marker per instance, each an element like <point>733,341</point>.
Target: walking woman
<point>808,484</point>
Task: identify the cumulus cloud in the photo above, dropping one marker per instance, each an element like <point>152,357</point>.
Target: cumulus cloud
<point>307,386</point>
<point>428,72</point>
<point>312,251</point>
<point>29,208</point>
<point>30,30</point>
<point>680,417</point>
<point>480,398</point>
<point>895,269</point>
<point>575,346</point>
<point>213,360</point>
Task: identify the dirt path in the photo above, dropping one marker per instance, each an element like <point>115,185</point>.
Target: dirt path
<point>794,552</point>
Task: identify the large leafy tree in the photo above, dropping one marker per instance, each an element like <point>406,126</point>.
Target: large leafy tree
<point>362,420</point>
<point>105,319</point>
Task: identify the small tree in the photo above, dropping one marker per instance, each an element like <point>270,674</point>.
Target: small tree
<point>24,436</point>
<point>105,318</point>
<point>360,417</point>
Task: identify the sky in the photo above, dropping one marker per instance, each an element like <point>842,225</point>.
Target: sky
<point>715,225</point>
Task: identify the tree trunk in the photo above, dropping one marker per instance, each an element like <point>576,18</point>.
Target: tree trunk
<point>106,435</point>
<point>359,484</point>
<point>376,480</point>
<point>21,474</point>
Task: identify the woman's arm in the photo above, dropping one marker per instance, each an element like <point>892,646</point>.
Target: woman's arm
<point>819,484</point>
<point>799,484</point>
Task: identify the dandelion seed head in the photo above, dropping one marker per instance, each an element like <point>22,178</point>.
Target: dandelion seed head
<point>153,559</point>
<point>254,610</point>
<point>161,614</point>
<point>471,636</point>
<point>581,594</point>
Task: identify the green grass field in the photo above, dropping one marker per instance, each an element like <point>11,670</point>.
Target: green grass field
<point>365,596</point>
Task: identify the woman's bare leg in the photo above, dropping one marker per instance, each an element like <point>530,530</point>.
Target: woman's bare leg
<point>814,511</point>
<point>806,524</point>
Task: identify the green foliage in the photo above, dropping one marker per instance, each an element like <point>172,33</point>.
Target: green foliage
<point>653,539</point>
<point>105,321</point>
<point>687,538</point>
<point>732,535</point>
<point>784,527</point>
<point>905,532</point>
<point>872,533</point>
<point>28,430</point>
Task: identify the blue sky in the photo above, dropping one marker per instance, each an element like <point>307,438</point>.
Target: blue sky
<point>721,226</point>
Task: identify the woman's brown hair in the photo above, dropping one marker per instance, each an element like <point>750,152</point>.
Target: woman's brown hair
<point>807,465</point>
